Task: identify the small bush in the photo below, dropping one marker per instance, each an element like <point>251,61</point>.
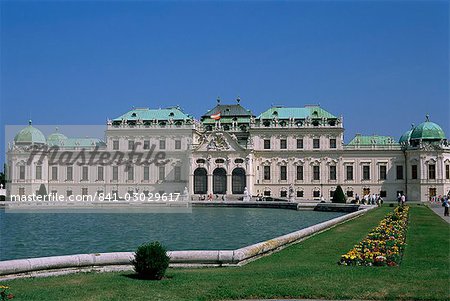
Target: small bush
<point>151,261</point>
<point>338,196</point>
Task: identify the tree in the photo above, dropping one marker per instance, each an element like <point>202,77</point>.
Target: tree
<point>338,196</point>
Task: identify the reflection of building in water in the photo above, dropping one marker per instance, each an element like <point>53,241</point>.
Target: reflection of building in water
<point>284,152</point>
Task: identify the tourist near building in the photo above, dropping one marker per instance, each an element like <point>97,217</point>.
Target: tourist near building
<point>282,152</point>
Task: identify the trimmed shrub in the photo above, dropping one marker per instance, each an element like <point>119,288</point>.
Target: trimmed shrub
<point>338,196</point>
<point>151,261</point>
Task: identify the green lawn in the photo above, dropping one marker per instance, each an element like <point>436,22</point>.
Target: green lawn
<point>305,270</point>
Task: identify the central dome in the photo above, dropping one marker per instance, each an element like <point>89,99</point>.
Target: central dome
<point>427,131</point>
<point>56,138</point>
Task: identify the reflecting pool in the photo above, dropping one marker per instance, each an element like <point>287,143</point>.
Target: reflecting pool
<point>24,235</point>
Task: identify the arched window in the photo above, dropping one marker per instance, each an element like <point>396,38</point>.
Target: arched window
<point>238,181</point>
<point>219,181</point>
<point>200,181</point>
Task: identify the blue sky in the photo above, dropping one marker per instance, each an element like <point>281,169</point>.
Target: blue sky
<point>382,65</point>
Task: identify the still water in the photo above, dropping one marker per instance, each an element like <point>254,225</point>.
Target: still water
<point>24,235</point>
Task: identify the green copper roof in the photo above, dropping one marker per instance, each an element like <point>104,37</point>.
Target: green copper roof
<point>55,137</point>
<point>405,137</point>
<point>372,140</point>
<point>77,143</point>
<point>30,134</point>
<point>428,131</point>
<point>296,113</point>
<point>174,113</point>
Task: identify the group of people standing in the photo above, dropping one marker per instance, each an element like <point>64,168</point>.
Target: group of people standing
<point>211,197</point>
<point>369,199</point>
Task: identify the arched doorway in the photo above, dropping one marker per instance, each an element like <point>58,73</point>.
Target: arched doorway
<point>238,181</point>
<point>200,181</point>
<point>219,181</point>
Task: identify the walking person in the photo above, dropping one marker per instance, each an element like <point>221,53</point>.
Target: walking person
<point>403,199</point>
<point>446,205</point>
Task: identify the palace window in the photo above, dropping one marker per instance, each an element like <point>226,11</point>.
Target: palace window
<point>146,144</point>
<point>130,144</point>
<point>333,172</point>
<point>22,172</point>
<point>299,172</point>
<point>266,143</point>
<point>316,193</point>
<point>383,193</point>
<point>115,173</point>
<point>69,193</point>
<point>349,170</point>
<point>432,172</point>
<point>177,144</point>
<point>177,173</point>
<point>331,193</point>
<point>84,191</point>
<point>162,144</point>
<point>332,143</point>
<point>69,173</point>
<point>414,172</point>
<point>266,192</point>
<point>283,172</point>
<point>299,143</point>
<point>447,171</point>
<point>266,172</point>
<point>130,173</point>
<point>54,173</point>
<point>349,193</point>
<point>100,173</point>
<point>383,169</point>
<point>399,172</point>
<point>162,173</point>
<point>283,144</point>
<point>115,144</point>
<point>146,173</point>
<point>366,172</point>
<point>300,193</point>
<point>38,172</point>
<point>84,173</point>
<point>316,143</point>
<point>283,194</point>
<point>316,173</point>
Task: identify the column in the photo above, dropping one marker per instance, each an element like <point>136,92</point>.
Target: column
<point>210,183</point>
<point>229,183</point>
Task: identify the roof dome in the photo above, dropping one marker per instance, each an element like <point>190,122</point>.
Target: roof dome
<point>406,136</point>
<point>29,135</point>
<point>56,137</point>
<point>427,131</point>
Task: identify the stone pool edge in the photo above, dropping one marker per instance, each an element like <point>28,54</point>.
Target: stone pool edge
<point>120,261</point>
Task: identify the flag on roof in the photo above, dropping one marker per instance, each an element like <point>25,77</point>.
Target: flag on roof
<point>216,116</point>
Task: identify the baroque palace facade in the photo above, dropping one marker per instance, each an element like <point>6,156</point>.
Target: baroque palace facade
<point>283,152</point>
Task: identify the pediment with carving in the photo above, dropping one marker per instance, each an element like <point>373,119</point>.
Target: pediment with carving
<point>219,141</point>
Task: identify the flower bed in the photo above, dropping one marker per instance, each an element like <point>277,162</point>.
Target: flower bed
<point>384,244</point>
